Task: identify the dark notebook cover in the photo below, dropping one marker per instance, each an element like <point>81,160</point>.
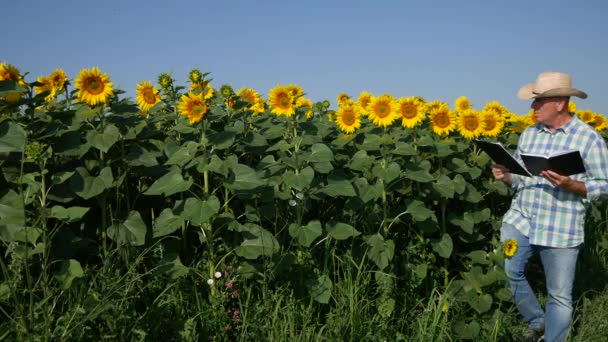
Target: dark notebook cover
<point>500,155</point>
<point>565,163</point>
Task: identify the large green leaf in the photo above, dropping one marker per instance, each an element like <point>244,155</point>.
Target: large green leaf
<point>103,141</point>
<point>169,184</point>
<point>12,137</point>
<point>301,180</point>
<point>10,86</point>
<point>417,174</point>
<point>69,215</point>
<point>444,186</point>
<point>320,289</point>
<point>342,231</point>
<point>361,161</point>
<point>222,140</point>
<point>466,222</point>
<point>443,246</point>
<point>380,251</point>
<point>367,192</point>
<point>420,212</point>
<point>387,173</point>
<point>305,235</point>
<point>67,272</point>
<point>166,223</point>
<point>172,266</point>
<point>12,216</point>
<point>199,211</point>
<point>320,153</point>
<point>87,186</point>
<point>467,331</point>
<point>183,155</point>
<point>258,241</point>
<point>479,302</point>
<point>132,231</point>
<point>338,186</point>
<point>243,177</point>
<point>405,149</point>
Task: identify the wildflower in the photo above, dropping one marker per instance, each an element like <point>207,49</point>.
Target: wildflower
<point>236,314</point>
<point>218,275</point>
<point>229,284</point>
<point>510,248</point>
<point>299,195</point>
<point>292,203</point>
<point>209,281</point>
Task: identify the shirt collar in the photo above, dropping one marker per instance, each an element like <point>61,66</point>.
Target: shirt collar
<point>566,129</point>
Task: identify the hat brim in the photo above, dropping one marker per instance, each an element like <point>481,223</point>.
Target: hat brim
<point>527,92</point>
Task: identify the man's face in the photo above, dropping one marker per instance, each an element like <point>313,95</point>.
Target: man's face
<point>546,109</point>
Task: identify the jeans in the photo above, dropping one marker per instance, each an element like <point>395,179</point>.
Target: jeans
<point>559,265</point>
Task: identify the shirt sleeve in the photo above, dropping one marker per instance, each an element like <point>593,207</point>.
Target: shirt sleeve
<point>596,163</point>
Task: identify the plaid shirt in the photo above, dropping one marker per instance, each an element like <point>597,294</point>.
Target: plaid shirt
<point>552,216</point>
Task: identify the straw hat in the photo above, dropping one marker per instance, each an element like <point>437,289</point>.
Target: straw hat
<point>550,84</point>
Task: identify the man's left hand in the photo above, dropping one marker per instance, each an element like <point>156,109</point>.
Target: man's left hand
<point>565,182</point>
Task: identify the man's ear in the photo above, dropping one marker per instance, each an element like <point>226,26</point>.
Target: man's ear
<point>562,104</point>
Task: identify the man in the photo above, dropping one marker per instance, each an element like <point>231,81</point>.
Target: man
<point>547,213</point>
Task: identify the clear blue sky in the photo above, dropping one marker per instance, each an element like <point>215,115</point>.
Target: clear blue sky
<point>485,50</point>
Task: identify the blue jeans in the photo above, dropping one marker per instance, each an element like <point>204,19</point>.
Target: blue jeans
<point>560,266</point>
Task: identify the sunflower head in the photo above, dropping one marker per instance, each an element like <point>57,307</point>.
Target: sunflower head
<point>325,104</point>
<point>348,118</point>
<point>248,95</point>
<point>519,123</point>
<point>363,101</point>
<point>462,103</point>
<point>226,91</point>
<point>193,107</point>
<point>470,124</point>
<point>259,107</point>
<point>47,85</point>
<point>510,248</point>
<point>58,79</point>
<point>94,87</point>
<point>195,76</point>
<point>599,122</point>
<point>383,110</point>
<point>343,99</point>
<point>295,90</point>
<point>281,101</point>
<point>165,81</point>
<point>303,102</point>
<point>411,112</point>
<point>147,96</point>
<point>585,115</point>
<point>8,72</point>
<point>571,107</point>
<point>443,121</point>
<point>493,123</point>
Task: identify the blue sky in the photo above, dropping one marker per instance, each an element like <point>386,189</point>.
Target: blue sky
<point>485,50</point>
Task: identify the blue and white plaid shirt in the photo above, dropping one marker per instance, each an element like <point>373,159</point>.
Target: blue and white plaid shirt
<point>552,216</point>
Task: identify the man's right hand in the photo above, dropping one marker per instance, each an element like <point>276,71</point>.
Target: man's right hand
<point>501,173</point>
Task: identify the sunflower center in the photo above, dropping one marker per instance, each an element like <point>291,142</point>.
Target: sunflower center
<point>348,118</point>
<point>149,97</point>
<point>442,121</point>
<point>95,86</point>
<point>198,109</point>
<point>284,101</point>
<point>382,111</point>
<point>409,112</point>
<point>490,124</point>
<point>471,124</point>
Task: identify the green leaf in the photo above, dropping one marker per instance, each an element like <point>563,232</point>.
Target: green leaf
<point>381,252</point>
<point>479,302</point>
<point>320,153</point>
<point>69,270</point>
<point>388,173</point>
<point>361,161</point>
<point>479,257</point>
<point>342,231</point>
<point>466,222</point>
<point>323,167</point>
<point>166,223</point>
<point>254,139</point>
<point>69,215</point>
<point>132,231</point>
<point>460,184</point>
<point>320,290</point>
<point>418,174</point>
<point>299,181</point>
<point>12,216</point>
<point>169,184</point>
<point>305,235</point>
<point>87,186</point>
<point>10,86</point>
<point>222,140</point>
<point>258,241</point>
<point>467,331</point>
<point>338,186</point>
<point>368,192</point>
<point>103,141</point>
<point>444,186</point>
<point>420,212</point>
<point>183,155</point>
<point>443,246</point>
<point>12,137</point>
<point>405,149</point>
<point>172,266</point>
<point>198,211</point>
<point>243,177</point>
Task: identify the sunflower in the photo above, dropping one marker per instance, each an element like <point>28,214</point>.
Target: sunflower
<point>493,123</point>
<point>47,85</point>
<point>470,124</point>
<point>295,90</point>
<point>343,99</point>
<point>585,115</point>
<point>248,95</point>
<point>462,103</point>
<point>93,86</point>
<point>147,96</point>
<point>304,102</point>
<point>532,118</point>
<point>207,89</point>
<point>510,248</point>
<point>411,112</point>
<point>571,107</point>
<point>382,110</point>
<point>281,101</point>
<point>58,79</point>
<point>331,115</point>
<point>363,101</point>
<point>599,122</point>
<point>165,81</point>
<point>195,76</point>
<point>8,72</point>
<point>442,120</point>
<point>193,107</point>
<point>259,107</point>
<point>519,123</point>
<point>348,118</point>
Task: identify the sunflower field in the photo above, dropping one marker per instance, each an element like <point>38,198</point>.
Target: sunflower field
<point>182,212</point>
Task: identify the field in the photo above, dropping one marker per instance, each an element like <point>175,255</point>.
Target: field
<point>193,213</point>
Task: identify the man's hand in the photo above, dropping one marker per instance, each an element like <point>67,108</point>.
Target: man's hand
<point>501,173</point>
<point>565,182</point>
